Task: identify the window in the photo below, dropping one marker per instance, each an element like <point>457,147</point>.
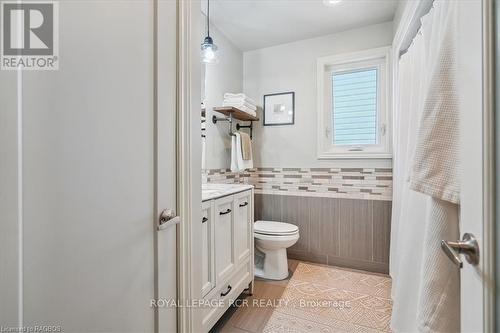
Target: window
<point>353,100</point>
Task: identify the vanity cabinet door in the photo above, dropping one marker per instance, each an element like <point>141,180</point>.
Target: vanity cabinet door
<point>208,248</point>
<point>243,207</point>
<point>224,240</point>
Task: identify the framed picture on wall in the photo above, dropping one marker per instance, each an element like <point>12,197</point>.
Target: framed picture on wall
<point>279,109</point>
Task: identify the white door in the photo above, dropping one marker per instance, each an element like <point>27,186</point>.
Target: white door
<point>84,188</point>
<point>475,291</point>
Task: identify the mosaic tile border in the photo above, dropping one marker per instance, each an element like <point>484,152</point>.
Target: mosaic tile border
<point>349,183</point>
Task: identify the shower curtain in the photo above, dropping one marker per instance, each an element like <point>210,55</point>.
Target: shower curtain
<point>413,211</point>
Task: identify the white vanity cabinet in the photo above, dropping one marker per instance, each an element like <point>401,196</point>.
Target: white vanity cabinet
<point>227,242</point>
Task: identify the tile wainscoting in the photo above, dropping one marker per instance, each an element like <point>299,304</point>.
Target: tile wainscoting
<point>344,214</point>
<point>335,231</point>
<point>348,183</point>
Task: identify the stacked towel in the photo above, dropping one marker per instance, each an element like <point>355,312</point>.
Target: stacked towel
<point>240,101</point>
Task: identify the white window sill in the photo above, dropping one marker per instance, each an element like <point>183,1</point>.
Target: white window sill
<point>350,155</point>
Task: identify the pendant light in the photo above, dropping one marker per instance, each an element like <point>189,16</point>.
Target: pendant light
<point>208,48</point>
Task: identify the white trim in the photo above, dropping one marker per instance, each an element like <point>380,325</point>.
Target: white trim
<point>189,162</point>
<point>365,57</point>
<point>20,224</point>
<point>489,256</point>
<point>352,155</point>
<point>346,58</point>
<point>183,189</point>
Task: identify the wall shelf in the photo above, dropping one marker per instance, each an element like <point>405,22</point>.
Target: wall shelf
<point>235,113</point>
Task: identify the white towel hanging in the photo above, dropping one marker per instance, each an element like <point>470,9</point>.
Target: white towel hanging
<point>238,164</point>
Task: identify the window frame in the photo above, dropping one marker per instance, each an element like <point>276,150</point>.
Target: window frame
<point>374,58</point>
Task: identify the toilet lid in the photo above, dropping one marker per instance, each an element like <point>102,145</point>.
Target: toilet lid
<point>274,228</point>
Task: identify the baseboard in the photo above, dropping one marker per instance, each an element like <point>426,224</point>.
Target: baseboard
<point>370,266</point>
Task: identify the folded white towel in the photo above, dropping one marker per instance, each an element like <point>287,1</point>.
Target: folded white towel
<point>238,103</point>
<point>239,96</point>
<point>247,110</point>
<point>244,109</point>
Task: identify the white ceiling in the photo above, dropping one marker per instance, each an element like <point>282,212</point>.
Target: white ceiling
<point>254,24</point>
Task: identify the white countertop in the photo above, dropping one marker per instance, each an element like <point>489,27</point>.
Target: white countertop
<point>214,191</point>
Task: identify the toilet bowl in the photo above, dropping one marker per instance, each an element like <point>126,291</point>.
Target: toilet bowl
<point>271,240</point>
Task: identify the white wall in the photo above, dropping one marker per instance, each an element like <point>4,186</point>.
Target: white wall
<point>226,76</point>
<point>398,15</point>
<point>292,67</point>
<point>10,255</point>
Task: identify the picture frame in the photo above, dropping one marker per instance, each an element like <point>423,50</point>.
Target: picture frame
<point>279,109</point>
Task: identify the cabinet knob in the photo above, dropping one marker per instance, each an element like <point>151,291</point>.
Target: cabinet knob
<point>204,219</point>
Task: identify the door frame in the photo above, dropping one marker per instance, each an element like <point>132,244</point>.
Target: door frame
<point>407,29</point>
<point>489,158</point>
<point>188,161</point>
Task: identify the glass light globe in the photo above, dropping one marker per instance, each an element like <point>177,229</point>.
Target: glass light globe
<point>209,51</point>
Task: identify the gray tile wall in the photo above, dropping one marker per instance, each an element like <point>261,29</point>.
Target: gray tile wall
<point>352,233</point>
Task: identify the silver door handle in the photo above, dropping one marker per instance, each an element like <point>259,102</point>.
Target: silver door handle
<point>168,219</point>
<point>467,246</point>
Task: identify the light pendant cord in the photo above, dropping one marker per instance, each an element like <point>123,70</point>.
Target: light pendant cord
<point>208,18</point>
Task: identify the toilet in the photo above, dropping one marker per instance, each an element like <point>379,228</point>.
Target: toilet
<point>271,240</point>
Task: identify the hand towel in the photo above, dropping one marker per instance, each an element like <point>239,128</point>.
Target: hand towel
<point>246,146</point>
<point>238,164</point>
<point>234,159</point>
<point>243,164</point>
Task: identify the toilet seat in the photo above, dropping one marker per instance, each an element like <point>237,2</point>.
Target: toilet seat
<point>277,238</point>
<point>272,228</point>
